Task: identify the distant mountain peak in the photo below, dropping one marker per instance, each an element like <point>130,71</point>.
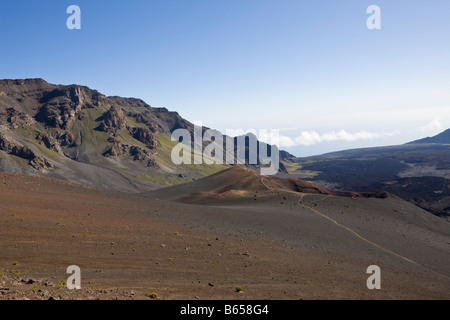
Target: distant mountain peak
<point>442,138</point>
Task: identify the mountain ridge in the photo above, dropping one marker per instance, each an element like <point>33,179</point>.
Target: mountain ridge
<point>75,133</point>
<point>440,138</point>
<point>49,129</point>
<point>417,172</point>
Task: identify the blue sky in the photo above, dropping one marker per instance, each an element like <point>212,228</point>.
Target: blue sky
<point>309,68</point>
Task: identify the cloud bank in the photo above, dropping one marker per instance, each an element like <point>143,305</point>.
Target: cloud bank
<point>434,124</point>
<point>309,138</point>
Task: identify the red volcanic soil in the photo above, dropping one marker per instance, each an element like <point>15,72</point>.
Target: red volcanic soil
<point>239,182</point>
<point>274,246</point>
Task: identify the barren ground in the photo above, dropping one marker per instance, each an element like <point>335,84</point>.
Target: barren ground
<point>130,246</point>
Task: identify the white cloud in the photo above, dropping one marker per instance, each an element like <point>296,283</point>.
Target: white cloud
<point>433,125</point>
<point>308,138</point>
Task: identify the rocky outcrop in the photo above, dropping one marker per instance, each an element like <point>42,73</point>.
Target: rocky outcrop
<point>66,139</point>
<point>15,119</point>
<point>40,163</point>
<point>136,153</point>
<point>49,142</point>
<point>145,136</point>
<point>116,149</point>
<point>113,121</point>
<point>58,114</point>
<point>147,119</point>
<point>14,148</point>
<point>161,120</point>
<point>61,107</point>
<point>142,155</point>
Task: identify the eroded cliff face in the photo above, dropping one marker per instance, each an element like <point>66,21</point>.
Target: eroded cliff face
<point>146,136</point>
<point>61,107</point>
<point>59,118</point>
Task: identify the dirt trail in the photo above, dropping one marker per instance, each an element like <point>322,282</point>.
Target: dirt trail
<point>132,246</point>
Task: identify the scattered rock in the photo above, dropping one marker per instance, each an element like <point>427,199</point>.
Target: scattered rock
<point>15,119</point>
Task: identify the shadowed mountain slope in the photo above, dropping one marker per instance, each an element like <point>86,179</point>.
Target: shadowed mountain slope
<point>442,138</point>
<point>416,172</point>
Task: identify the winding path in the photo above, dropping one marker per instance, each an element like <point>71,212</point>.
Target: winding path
<point>302,195</point>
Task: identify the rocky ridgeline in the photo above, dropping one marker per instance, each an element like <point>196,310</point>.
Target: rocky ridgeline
<point>67,119</point>
<point>53,110</point>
